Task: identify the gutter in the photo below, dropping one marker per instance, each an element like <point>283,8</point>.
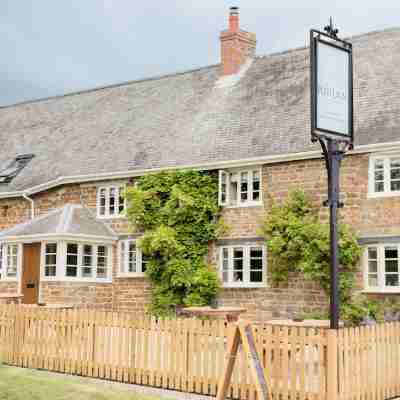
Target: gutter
<point>305,155</point>
<point>26,197</point>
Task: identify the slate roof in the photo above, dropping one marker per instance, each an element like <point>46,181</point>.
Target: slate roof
<point>194,118</point>
<point>70,220</point>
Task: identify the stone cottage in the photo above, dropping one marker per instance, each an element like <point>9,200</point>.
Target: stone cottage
<point>65,162</point>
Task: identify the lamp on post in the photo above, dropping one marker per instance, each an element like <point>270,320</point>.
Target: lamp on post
<point>332,126</point>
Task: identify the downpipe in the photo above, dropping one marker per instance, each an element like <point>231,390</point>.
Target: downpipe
<point>26,197</point>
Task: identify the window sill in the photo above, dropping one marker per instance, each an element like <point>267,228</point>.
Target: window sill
<point>244,205</point>
<point>77,280</point>
<point>244,286</point>
<point>110,216</point>
<point>132,275</point>
<point>383,195</point>
<point>14,279</point>
<point>381,291</point>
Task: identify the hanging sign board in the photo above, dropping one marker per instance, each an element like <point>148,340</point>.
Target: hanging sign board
<point>331,88</point>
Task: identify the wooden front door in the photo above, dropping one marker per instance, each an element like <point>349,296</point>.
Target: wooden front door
<point>31,273</point>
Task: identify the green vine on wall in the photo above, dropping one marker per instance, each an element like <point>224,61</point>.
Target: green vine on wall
<point>298,242</point>
<point>178,213</point>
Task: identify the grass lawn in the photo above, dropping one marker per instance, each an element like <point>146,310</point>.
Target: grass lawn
<point>25,384</point>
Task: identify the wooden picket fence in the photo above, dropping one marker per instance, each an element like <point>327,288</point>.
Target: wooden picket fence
<point>189,354</point>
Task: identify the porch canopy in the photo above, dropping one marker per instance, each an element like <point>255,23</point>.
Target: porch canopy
<point>73,221</point>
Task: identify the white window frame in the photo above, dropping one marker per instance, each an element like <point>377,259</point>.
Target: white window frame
<point>246,266</point>
<point>238,172</point>
<point>107,189</point>
<point>387,192</point>
<point>4,266</point>
<point>381,288</point>
<point>61,269</point>
<point>123,260</point>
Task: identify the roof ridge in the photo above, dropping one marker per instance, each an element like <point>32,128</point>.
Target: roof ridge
<point>110,86</point>
<point>178,73</point>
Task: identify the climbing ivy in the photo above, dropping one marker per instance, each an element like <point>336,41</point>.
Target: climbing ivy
<point>178,213</point>
<point>297,241</point>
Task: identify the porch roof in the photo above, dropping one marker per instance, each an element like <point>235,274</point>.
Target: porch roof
<point>72,220</point>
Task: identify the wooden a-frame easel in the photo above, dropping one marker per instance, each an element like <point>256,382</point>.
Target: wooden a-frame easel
<point>240,332</point>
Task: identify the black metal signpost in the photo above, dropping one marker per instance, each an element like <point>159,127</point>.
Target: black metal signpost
<point>332,126</point>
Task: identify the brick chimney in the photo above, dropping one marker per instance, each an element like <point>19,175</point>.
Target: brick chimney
<point>236,45</point>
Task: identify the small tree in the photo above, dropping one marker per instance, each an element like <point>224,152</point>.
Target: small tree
<point>178,212</point>
<point>298,241</point>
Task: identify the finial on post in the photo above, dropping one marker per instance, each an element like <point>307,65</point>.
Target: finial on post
<point>330,30</point>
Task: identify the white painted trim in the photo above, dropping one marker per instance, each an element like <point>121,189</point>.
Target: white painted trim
<point>239,203</point>
<point>58,236</point>
<point>124,262</point>
<point>385,157</point>
<point>107,188</point>
<point>312,154</point>
<point>381,288</point>
<point>246,266</point>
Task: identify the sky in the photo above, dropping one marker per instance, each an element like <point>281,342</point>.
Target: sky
<point>53,47</point>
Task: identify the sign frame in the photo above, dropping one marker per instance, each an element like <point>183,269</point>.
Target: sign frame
<point>318,133</point>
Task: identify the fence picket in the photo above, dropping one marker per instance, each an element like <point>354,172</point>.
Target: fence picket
<point>188,355</point>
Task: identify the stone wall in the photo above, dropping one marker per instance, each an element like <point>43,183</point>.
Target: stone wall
<point>367,216</point>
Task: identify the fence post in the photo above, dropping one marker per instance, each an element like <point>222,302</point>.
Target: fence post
<point>332,365</point>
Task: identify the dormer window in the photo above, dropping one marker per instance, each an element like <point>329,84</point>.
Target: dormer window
<point>8,173</point>
<point>110,201</point>
<point>240,187</point>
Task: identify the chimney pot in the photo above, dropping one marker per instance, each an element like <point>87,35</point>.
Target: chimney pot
<point>234,19</point>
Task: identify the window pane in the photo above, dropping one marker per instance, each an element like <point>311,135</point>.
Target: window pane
<point>132,257</point>
<point>379,187</point>
<point>395,185</point>
<point>256,185</point>
<point>255,276</point>
<point>395,174</point>
<point>372,280</point>
<point>233,192</point>
<point>144,263</point>
<point>256,252</point>
<point>72,260</point>
<point>72,248</point>
<point>50,270</point>
<point>391,252</point>
<point>238,276</point>
<point>372,253</point>
<point>392,280</point>
<point>372,266</point>
<point>379,175</point>
<point>121,201</point>
<point>238,264</point>
<point>223,178</point>
<point>12,259</point>
<point>51,248</point>
<point>51,259</point>
<point>101,262</point>
<point>244,186</point>
<point>395,163</point>
<point>391,266</point>
<point>112,199</point>
<point>102,200</point>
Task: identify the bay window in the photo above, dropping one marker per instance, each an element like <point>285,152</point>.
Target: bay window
<point>110,201</point>
<point>384,176</point>
<point>240,187</point>
<point>382,268</point>
<point>75,261</point>
<point>243,265</point>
